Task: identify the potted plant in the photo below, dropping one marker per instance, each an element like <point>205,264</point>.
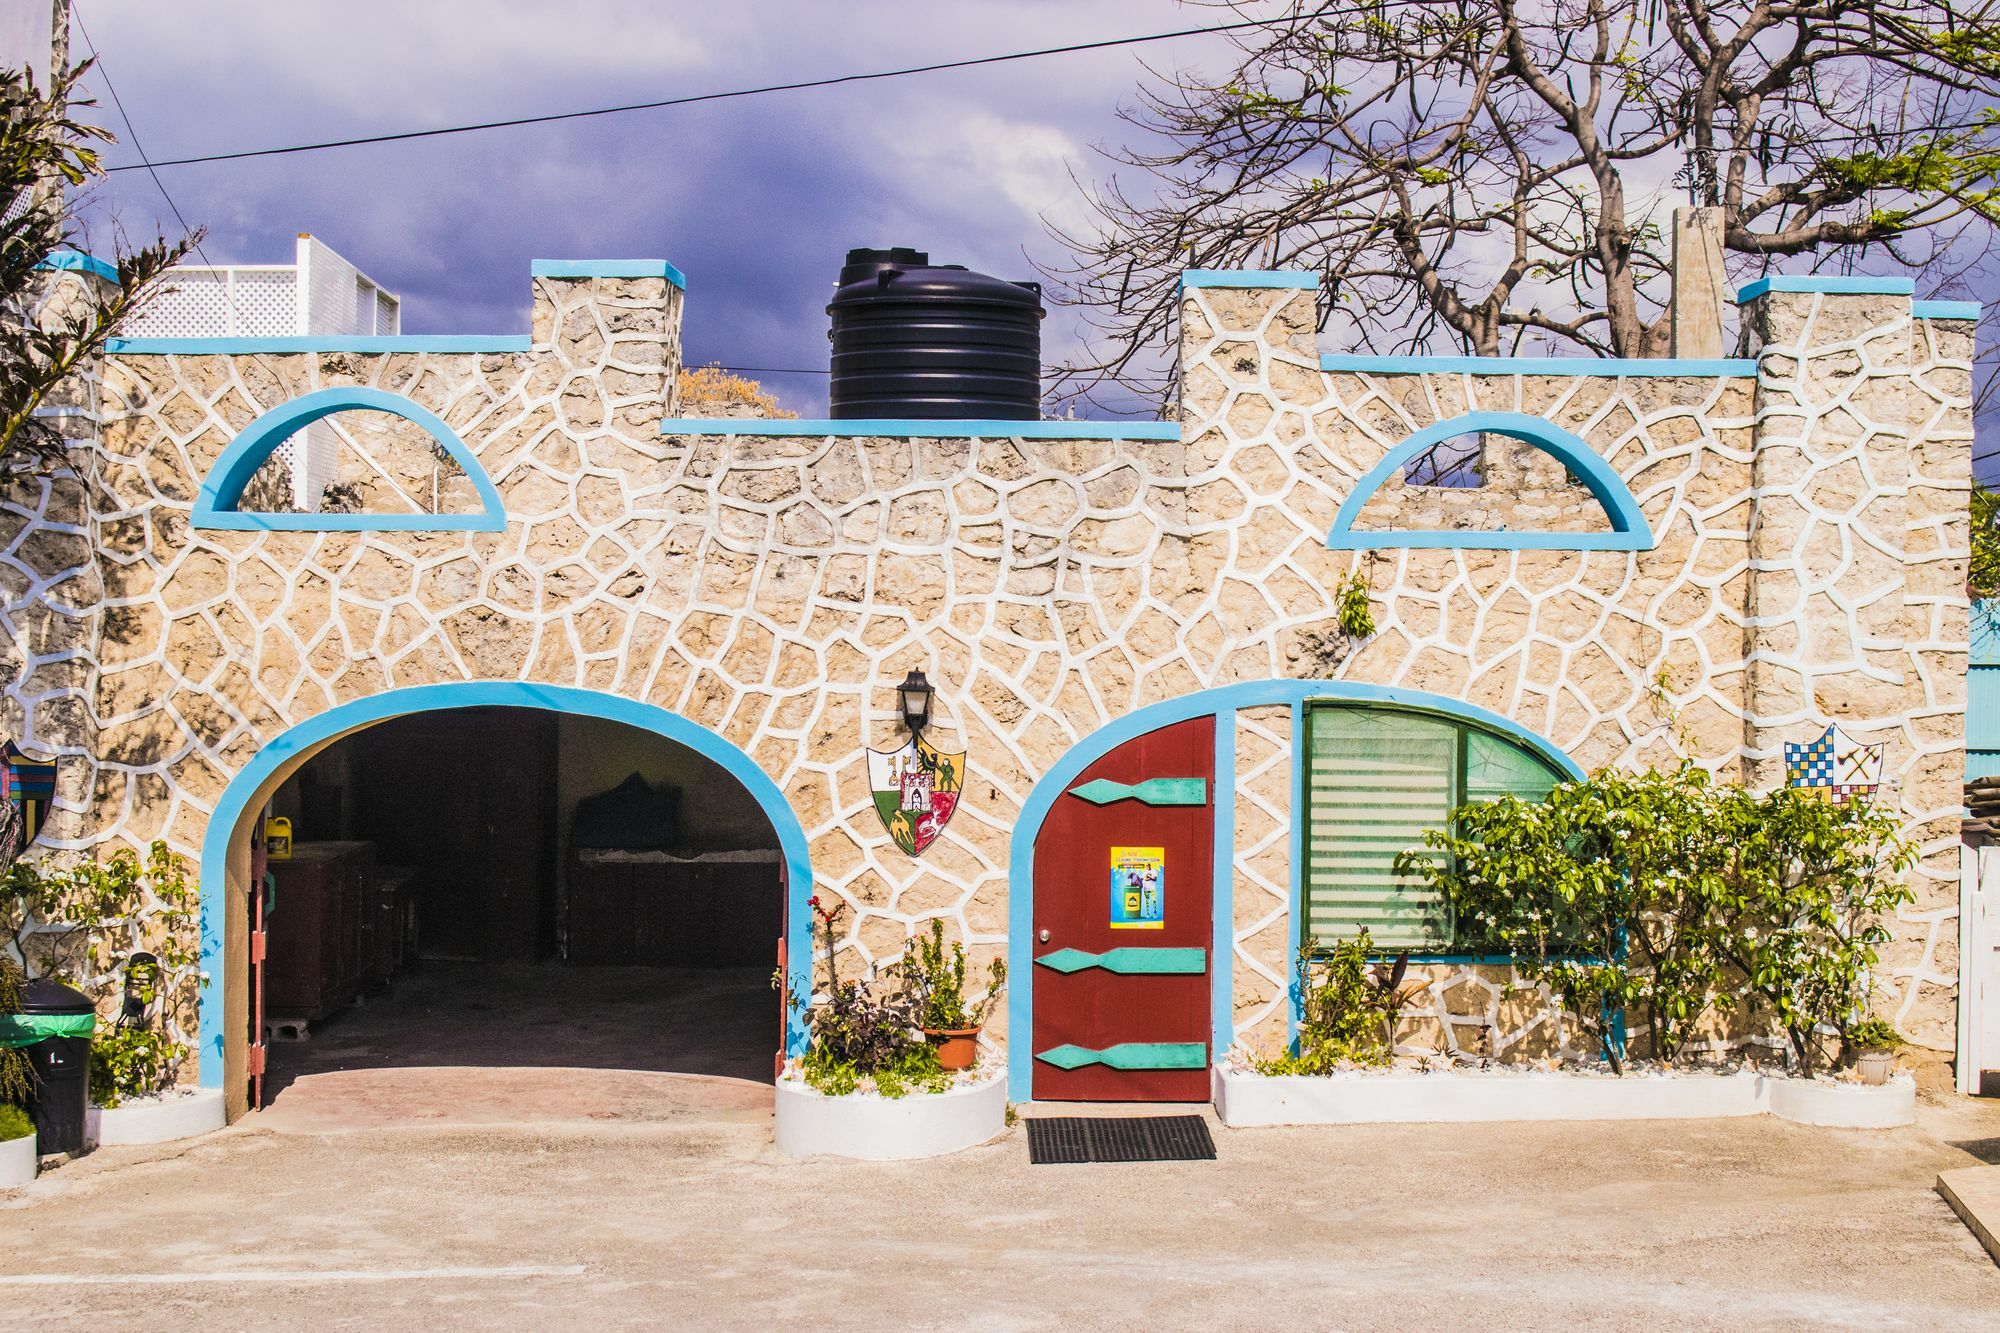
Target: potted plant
<point>934,976</point>
<point>861,1035</point>
<point>1874,1043</point>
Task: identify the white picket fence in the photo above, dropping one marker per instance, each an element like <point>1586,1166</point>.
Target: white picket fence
<point>1978,968</point>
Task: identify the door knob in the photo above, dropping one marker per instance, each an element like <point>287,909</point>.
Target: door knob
<point>1043,936</point>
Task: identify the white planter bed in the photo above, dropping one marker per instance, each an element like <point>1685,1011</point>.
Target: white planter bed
<point>881,1129</point>
<point>17,1163</point>
<point>1245,1099</point>
<point>177,1115</point>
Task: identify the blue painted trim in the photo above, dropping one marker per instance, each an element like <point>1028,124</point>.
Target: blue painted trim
<point>1247,277</point>
<point>76,261</point>
<point>1221,702</point>
<point>924,430</point>
<point>1832,285</point>
<point>1944,309</point>
<point>320,342</point>
<point>1629,529</point>
<point>1624,367</point>
<point>222,489</point>
<point>299,741</point>
<point>1295,989</point>
<point>1222,935</point>
<point>608,268</point>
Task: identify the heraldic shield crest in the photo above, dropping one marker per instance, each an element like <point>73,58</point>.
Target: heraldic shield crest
<point>1835,766</point>
<point>916,789</point>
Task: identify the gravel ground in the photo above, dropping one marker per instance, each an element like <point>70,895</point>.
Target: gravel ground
<point>695,1221</point>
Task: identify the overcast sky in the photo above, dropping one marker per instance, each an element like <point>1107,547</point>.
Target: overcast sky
<point>755,199</point>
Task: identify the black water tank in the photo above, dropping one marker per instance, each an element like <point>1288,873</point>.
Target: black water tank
<point>923,342</point>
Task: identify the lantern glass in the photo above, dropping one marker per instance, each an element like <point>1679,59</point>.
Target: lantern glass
<point>916,693</point>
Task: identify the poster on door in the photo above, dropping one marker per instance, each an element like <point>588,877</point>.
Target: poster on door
<point>1138,888</point>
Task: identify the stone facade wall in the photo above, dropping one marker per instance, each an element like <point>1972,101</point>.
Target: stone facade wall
<point>774,589</point>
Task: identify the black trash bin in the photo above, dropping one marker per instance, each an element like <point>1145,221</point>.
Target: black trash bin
<point>57,1022</point>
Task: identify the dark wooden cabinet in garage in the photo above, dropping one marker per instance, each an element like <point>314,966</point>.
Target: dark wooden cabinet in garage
<point>323,926</point>
<point>673,909</point>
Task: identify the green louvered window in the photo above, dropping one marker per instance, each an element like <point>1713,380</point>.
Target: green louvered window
<point>1377,778</point>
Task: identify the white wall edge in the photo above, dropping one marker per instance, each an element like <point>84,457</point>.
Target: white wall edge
<point>1243,1100</point>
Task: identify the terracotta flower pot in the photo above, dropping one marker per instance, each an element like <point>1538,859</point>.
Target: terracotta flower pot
<point>957,1048</point>
<point>1874,1067</point>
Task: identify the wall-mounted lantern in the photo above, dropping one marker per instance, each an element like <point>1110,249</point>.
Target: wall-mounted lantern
<point>142,972</point>
<point>916,692</point>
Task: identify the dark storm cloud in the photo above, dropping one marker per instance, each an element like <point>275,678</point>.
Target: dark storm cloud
<point>755,200</point>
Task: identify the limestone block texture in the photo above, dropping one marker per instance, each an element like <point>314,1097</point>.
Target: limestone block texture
<point>1809,566</point>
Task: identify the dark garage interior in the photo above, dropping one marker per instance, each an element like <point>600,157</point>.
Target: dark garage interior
<point>510,888</point>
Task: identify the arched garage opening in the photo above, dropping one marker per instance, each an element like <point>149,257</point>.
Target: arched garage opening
<point>505,912</point>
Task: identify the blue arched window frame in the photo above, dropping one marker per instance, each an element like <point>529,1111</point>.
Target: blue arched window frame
<point>1629,529</point>
<point>215,504</point>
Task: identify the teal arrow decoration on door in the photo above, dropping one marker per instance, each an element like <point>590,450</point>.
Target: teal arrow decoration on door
<point>1153,791</point>
<point>1130,1055</point>
<point>1130,961</point>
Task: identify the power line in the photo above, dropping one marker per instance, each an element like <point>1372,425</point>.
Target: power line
<point>795,86</point>
<point>76,16</point>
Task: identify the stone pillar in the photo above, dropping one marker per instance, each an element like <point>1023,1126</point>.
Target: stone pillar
<point>1250,382</point>
<point>1923,964</point>
<point>1249,352</point>
<point>1857,608</point>
<point>614,323</point>
<point>1829,479</point>
<point>52,608</point>
<point>1699,283</point>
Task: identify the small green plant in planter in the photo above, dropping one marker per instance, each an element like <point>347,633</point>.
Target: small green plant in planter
<point>934,977</point>
<point>1872,1046</point>
<point>858,1034</point>
<point>1349,1010</point>
<point>14,1122</point>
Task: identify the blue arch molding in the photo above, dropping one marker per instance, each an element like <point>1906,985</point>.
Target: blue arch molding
<point>1629,529</point>
<point>1220,703</point>
<point>300,740</point>
<point>222,489</point>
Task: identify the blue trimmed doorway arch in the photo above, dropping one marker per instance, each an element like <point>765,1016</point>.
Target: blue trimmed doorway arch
<point>1221,703</point>
<point>225,848</point>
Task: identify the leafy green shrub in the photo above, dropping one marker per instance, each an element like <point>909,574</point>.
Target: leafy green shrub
<point>14,1123</point>
<point>1348,1010</point>
<point>132,1062</point>
<point>79,923</point>
<point>17,1076</point>
<point>1810,886</point>
<point>1603,892</point>
<point>934,977</point>
<point>859,1033</point>
<point>1662,893</point>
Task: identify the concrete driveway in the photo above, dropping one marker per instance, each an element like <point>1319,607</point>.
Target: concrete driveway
<point>693,1221</point>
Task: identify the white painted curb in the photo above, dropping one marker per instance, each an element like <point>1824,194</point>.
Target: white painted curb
<point>1844,1105</point>
<point>880,1129</point>
<point>1244,1099</point>
<point>155,1119</point>
<point>17,1163</point>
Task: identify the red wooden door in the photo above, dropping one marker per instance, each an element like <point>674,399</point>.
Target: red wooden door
<point>1121,1011</point>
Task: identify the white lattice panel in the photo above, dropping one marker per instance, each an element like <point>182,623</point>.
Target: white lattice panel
<point>221,302</point>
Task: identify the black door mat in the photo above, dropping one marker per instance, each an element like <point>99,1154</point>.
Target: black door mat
<point>1138,1138</point>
